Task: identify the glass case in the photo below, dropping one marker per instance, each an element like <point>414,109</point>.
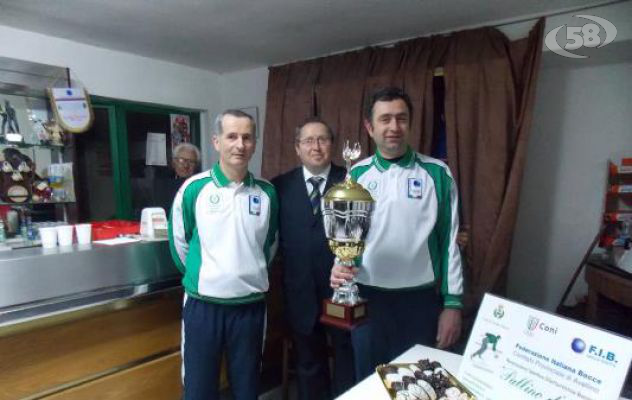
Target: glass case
<point>36,170</point>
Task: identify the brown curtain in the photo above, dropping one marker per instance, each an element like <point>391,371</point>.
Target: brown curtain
<point>290,100</point>
<point>490,87</point>
<point>489,96</point>
<point>335,87</point>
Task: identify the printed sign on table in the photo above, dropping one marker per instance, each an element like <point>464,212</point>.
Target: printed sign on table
<point>517,352</point>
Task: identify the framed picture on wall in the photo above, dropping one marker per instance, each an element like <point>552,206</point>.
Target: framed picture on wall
<point>180,129</point>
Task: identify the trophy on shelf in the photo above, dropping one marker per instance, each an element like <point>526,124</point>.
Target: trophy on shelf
<point>346,209</point>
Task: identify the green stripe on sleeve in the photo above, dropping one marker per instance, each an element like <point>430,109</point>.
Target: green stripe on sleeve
<point>452,301</point>
<point>273,222</point>
<point>439,240</point>
<point>193,260</point>
<point>172,247</point>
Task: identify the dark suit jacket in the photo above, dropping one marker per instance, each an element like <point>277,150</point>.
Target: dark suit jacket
<point>307,260</point>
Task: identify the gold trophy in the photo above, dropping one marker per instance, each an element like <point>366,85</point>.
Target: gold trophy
<point>346,209</point>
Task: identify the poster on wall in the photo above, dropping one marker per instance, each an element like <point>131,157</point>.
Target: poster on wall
<point>180,129</point>
<point>517,352</point>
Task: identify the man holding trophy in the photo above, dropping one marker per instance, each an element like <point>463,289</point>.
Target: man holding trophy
<point>410,272</point>
<point>307,262</point>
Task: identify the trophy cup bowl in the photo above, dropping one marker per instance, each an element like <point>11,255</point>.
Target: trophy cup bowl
<point>346,210</point>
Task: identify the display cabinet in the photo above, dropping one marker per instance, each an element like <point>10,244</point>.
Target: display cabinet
<point>36,174</point>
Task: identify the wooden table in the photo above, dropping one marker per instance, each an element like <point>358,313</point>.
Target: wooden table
<point>607,281</point>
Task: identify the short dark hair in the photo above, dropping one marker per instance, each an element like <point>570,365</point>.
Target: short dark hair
<point>386,94</point>
<point>313,120</point>
<point>217,125</point>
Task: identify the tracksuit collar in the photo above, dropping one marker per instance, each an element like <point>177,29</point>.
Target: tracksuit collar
<point>220,179</point>
<point>382,164</point>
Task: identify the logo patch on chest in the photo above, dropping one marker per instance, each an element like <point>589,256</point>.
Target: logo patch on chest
<point>254,204</point>
<point>215,202</point>
<point>414,188</point>
<point>372,186</point>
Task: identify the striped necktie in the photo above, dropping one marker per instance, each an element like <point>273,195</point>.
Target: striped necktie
<point>314,195</point>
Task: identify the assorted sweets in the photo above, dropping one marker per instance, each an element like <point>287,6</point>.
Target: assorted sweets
<point>423,380</point>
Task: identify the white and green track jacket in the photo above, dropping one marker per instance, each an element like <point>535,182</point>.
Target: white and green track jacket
<point>412,239</point>
<point>222,236</point>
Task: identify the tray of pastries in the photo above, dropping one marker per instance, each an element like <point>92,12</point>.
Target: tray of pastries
<point>423,380</point>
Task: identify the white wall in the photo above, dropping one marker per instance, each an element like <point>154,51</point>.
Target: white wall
<point>582,118</point>
<point>245,89</point>
<point>119,75</point>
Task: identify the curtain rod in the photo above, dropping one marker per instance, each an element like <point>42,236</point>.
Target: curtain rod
<point>560,12</point>
<point>517,20</point>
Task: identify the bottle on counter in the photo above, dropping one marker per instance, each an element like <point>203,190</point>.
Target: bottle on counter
<point>3,233</point>
<point>31,233</point>
<point>23,230</point>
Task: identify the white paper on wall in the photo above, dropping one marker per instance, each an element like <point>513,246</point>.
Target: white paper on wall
<point>156,152</point>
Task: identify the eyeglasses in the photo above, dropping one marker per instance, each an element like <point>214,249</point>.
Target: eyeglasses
<point>186,161</point>
<point>310,141</point>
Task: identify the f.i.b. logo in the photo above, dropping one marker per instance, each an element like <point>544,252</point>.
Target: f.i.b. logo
<point>254,204</point>
<point>414,188</point>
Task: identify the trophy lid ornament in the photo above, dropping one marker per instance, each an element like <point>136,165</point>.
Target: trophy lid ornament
<point>348,190</point>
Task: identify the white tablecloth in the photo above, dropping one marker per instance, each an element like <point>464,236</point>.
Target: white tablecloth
<point>372,387</point>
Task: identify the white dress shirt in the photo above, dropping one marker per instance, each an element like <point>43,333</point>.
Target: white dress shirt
<point>323,175</point>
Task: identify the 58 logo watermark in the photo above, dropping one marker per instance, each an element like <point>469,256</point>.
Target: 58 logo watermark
<point>598,33</point>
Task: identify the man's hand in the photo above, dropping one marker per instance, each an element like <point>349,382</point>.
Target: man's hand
<point>463,237</point>
<point>449,327</point>
<point>341,274</point>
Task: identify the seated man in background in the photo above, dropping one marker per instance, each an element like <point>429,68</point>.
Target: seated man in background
<point>185,162</point>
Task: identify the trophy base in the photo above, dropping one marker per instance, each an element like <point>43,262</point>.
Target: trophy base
<point>343,316</point>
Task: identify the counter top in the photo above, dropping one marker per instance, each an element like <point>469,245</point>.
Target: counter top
<point>36,282</point>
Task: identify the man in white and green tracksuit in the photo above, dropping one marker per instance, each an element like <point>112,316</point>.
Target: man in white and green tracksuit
<point>410,271</point>
<point>222,232</point>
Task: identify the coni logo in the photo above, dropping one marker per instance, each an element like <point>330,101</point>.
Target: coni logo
<point>535,324</point>
<point>587,35</point>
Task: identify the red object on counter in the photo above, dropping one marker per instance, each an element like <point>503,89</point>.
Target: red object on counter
<point>102,230</point>
<point>3,211</point>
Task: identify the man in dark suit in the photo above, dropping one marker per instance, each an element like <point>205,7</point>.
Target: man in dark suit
<point>307,262</point>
